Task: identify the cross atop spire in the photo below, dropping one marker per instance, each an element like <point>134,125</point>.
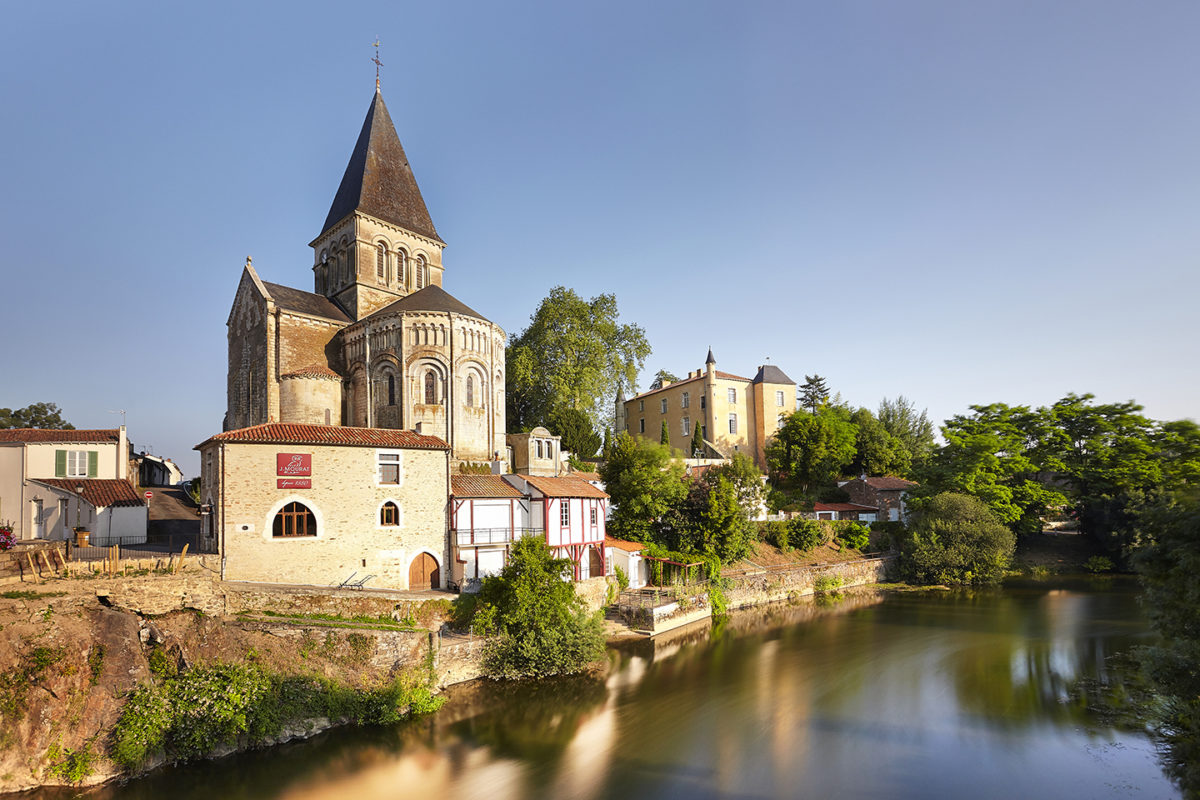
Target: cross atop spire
<point>377,62</point>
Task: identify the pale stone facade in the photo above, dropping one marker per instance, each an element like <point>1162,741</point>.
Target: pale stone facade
<point>735,414</point>
<point>344,488</point>
<point>378,343</point>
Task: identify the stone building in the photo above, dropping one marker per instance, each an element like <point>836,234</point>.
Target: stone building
<point>378,343</point>
<point>735,414</point>
<point>318,504</point>
<point>884,493</point>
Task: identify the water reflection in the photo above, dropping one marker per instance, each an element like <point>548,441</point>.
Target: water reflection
<point>923,695</point>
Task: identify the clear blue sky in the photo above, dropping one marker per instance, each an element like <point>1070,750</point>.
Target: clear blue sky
<point>991,201</point>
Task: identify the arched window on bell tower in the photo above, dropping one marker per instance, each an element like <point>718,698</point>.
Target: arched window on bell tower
<point>401,264</point>
<point>421,270</point>
<point>380,262</point>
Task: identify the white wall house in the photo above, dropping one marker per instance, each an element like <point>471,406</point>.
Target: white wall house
<point>86,459</point>
<point>571,514</point>
<point>627,556</point>
<point>487,514</point>
<point>110,509</point>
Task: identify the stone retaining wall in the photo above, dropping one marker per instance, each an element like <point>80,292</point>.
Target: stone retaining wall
<point>750,589</point>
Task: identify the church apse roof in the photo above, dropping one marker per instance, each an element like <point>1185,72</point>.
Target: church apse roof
<point>379,181</point>
<point>431,298</point>
<point>305,302</point>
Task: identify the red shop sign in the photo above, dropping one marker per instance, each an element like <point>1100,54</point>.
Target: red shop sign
<point>293,463</point>
<point>293,483</point>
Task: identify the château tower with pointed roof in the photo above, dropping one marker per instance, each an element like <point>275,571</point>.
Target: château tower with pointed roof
<point>378,243</point>
<point>378,343</point>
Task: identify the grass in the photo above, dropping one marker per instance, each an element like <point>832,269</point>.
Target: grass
<point>337,620</point>
<point>26,594</point>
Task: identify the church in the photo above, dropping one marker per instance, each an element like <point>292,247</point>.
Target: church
<point>377,343</point>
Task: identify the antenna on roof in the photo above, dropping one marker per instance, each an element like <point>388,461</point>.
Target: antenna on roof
<point>378,63</point>
<point>120,411</point>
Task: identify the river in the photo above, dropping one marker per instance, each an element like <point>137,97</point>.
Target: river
<point>964,694</point>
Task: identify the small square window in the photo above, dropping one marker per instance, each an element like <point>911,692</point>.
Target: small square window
<point>388,463</point>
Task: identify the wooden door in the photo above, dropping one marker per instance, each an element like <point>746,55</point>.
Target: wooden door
<point>424,573</point>
<point>596,563</point>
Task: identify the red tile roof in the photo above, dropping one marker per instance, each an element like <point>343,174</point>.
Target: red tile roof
<point>586,476</point>
<point>290,433</point>
<point>725,376</point>
<point>44,435</point>
<point>889,483</point>
<point>481,486</point>
<point>313,371</point>
<point>843,507</point>
<point>563,487</point>
<point>100,492</point>
<point>628,547</point>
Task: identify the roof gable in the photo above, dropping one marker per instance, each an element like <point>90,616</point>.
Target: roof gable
<point>379,181</point>
<point>314,305</point>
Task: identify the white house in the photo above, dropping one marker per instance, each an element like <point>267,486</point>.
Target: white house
<point>110,509</point>
<point>486,515</point>
<point>627,556</point>
<point>54,480</point>
<point>571,514</point>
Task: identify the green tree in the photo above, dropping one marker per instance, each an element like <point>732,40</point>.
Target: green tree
<point>811,450</point>
<point>664,436</point>
<point>744,477</point>
<point>813,393</point>
<point>537,624</point>
<point>698,448</point>
<point>955,539</point>
<point>1169,567</point>
<point>574,354</point>
<point>901,419</point>
<point>644,484</point>
<point>878,452</point>
<point>37,415</point>
<point>708,521</point>
<point>996,454</point>
<point>575,428</point>
<point>663,376</point>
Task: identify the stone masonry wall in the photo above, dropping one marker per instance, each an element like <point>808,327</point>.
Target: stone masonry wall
<point>766,587</point>
<point>346,502</point>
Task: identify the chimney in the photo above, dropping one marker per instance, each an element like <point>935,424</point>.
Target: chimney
<point>417,427</point>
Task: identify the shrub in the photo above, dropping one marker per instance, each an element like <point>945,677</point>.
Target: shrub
<point>622,578</point>
<point>854,535</point>
<point>540,626</point>
<point>956,539</point>
<point>807,534</point>
<point>70,765</point>
<point>1098,564</point>
<point>775,532</point>
<point>827,583</point>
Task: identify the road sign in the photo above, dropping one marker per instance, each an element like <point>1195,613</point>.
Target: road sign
<point>149,495</point>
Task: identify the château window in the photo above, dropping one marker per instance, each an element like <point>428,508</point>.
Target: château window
<point>470,391</point>
<point>294,519</point>
<point>430,388</point>
<point>664,405</point>
<point>733,395</point>
<point>380,262</point>
<point>389,515</point>
<point>641,405</point>
<point>641,426</point>
<point>733,423</point>
<point>686,424</point>
<point>779,399</point>
<point>685,400</point>
<point>701,402</point>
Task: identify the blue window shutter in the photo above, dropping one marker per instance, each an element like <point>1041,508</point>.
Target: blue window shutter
<point>60,463</point>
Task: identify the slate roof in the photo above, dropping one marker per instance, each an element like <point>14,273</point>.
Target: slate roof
<point>769,373</point>
<point>52,436</point>
<point>563,487</point>
<point>482,486</point>
<point>290,433</point>
<point>100,492</point>
<point>313,371</point>
<point>379,181</point>
<point>305,302</point>
<point>431,298</point>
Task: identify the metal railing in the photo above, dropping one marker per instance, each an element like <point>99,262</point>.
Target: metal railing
<point>658,596</point>
<point>471,537</point>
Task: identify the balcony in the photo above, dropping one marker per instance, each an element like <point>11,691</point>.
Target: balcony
<point>476,537</point>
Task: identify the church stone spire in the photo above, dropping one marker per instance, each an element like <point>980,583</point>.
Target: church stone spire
<point>379,181</point>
